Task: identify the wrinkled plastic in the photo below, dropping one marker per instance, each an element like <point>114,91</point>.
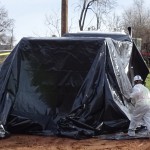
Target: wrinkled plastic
<point>74,87</point>
<point>115,36</point>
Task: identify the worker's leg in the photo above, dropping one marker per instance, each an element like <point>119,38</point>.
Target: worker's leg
<point>147,120</point>
<point>136,118</point>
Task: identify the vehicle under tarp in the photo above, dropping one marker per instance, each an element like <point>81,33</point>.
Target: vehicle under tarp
<point>76,87</point>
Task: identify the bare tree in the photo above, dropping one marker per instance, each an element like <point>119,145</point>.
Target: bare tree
<point>53,22</point>
<point>5,22</point>
<point>100,9</point>
<point>85,7</point>
<point>138,17</point>
<point>114,23</point>
<point>6,26</point>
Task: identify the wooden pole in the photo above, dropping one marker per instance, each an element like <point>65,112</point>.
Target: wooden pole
<point>64,17</point>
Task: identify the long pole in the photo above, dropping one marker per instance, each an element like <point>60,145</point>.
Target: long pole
<point>64,17</point>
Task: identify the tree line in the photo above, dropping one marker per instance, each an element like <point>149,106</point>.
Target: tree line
<point>100,15</point>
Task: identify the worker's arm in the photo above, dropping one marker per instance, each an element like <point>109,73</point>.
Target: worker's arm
<point>135,92</point>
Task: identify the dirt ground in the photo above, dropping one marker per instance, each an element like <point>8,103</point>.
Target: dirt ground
<point>24,142</point>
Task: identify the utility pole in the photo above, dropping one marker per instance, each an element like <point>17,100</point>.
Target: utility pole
<point>64,17</point>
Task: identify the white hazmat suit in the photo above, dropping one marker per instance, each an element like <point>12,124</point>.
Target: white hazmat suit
<point>141,95</point>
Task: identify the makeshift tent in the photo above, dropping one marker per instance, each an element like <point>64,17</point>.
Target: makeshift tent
<point>70,86</point>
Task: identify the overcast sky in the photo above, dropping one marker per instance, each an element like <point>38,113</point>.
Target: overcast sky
<point>29,15</point>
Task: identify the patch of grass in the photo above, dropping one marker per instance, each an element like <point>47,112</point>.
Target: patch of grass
<point>148,81</point>
<point>3,56</point>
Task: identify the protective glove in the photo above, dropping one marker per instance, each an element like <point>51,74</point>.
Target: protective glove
<point>129,100</point>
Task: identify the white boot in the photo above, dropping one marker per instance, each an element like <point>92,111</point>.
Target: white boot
<point>131,132</point>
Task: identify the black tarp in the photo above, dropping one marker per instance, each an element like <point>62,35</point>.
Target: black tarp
<point>71,86</point>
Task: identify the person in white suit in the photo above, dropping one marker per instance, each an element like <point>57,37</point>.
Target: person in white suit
<point>141,96</point>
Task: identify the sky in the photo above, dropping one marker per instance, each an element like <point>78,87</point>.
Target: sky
<point>30,15</point>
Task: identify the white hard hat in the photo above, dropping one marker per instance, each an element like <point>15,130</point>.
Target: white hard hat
<point>137,77</point>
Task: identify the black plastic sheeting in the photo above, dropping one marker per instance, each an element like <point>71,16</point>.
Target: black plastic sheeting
<point>73,87</point>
